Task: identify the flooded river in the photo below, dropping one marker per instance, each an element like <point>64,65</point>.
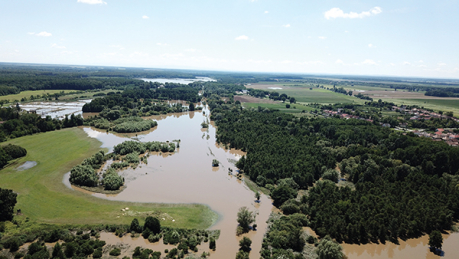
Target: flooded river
<point>188,177</point>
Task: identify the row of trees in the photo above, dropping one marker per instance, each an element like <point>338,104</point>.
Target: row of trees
<point>17,124</point>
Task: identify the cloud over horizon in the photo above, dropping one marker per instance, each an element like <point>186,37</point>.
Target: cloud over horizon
<point>338,13</point>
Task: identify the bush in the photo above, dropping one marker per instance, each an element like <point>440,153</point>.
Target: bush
<point>212,244</point>
<point>112,181</point>
<point>135,226</point>
<point>97,253</point>
<point>244,244</point>
<point>115,252</point>
<point>83,175</point>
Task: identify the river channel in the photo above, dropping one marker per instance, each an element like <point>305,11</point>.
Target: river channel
<point>187,176</point>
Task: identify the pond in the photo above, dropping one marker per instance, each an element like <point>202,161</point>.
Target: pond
<point>187,176</point>
<point>179,80</point>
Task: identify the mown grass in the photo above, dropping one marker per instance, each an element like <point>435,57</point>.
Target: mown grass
<point>45,199</point>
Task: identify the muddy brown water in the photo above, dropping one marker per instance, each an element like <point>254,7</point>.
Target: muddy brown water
<point>187,176</point>
<point>411,248</point>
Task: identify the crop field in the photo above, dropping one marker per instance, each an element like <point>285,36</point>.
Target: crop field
<point>44,198</point>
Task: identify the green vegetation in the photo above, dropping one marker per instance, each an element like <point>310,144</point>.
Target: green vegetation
<point>7,203</point>
<point>435,240</point>
<point>329,249</point>
<point>398,179</point>
<point>122,125</point>
<point>10,152</point>
<point>17,124</point>
<point>44,198</point>
<point>245,218</point>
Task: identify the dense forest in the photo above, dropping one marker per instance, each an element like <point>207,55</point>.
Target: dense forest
<point>400,186</point>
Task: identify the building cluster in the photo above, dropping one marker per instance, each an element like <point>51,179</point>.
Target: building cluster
<point>418,114</point>
<point>329,113</point>
<point>446,135</point>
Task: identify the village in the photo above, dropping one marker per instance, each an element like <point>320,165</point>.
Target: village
<point>448,135</point>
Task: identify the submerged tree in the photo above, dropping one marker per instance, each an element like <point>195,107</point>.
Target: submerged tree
<point>435,239</point>
<point>329,249</point>
<point>245,218</point>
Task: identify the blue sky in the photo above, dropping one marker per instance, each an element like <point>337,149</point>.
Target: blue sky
<point>397,38</point>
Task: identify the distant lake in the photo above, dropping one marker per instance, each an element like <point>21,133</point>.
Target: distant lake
<point>179,80</point>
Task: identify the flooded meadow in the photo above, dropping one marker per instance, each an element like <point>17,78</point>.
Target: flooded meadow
<point>187,176</point>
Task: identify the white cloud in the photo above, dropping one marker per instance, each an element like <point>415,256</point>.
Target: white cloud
<point>242,37</point>
<point>322,37</point>
<point>57,46</point>
<point>407,63</point>
<point>266,12</point>
<point>190,50</point>
<point>441,64</point>
<point>338,13</point>
<point>346,31</point>
<point>44,34</point>
<point>369,62</point>
<point>339,61</point>
<point>371,45</point>
<point>286,62</point>
<point>392,64</point>
<point>145,17</point>
<point>421,61</point>
<point>286,26</point>
<point>162,44</point>
<point>422,66</point>
<point>91,2</point>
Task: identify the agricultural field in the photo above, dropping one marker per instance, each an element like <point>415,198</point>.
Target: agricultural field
<point>304,94</point>
<point>45,199</point>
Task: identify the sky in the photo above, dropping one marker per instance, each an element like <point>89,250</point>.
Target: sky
<point>408,38</point>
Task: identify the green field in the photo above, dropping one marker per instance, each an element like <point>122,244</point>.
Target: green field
<point>435,104</point>
<point>44,198</point>
<point>305,95</point>
<point>27,94</point>
<point>280,106</point>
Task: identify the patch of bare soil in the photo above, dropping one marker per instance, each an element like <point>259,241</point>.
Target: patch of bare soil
<point>251,99</point>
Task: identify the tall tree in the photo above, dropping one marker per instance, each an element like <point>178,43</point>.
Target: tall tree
<point>7,203</point>
<point>435,239</point>
<point>245,218</point>
<point>329,249</point>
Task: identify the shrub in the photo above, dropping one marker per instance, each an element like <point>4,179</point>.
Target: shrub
<point>115,252</point>
<point>83,175</point>
<point>152,224</point>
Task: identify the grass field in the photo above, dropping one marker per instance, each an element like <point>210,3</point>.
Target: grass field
<point>27,94</point>
<point>280,106</point>
<point>44,198</point>
<point>304,94</point>
<point>435,104</point>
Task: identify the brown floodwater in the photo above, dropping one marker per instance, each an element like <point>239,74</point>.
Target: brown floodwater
<point>411,248</point>
<point>187,176</point>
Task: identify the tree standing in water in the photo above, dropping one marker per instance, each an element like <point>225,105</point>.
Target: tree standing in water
<point>435,240</point>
